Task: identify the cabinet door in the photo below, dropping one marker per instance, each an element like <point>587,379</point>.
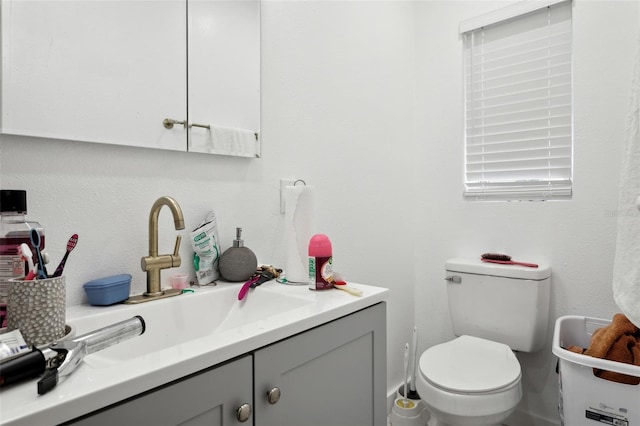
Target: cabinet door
<point>224,68</point>
<point>333,375</point>
<point>97,71</point>
<point>210,398</point>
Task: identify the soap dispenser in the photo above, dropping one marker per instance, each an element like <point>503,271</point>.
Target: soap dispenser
<point>238,263</point>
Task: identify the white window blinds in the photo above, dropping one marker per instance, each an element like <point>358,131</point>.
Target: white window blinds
<point>518,107</point>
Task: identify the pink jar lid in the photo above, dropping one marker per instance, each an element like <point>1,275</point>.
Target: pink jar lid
<point>319,246</point>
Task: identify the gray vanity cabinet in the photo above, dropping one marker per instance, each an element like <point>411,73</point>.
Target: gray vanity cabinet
<point>331,375</point>
<point>209,398</point>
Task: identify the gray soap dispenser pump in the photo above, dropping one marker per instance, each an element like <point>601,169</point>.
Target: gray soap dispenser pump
<point>238,263</point>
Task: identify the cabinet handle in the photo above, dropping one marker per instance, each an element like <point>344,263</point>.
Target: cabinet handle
<point>273,395</point>
<point>169,122</point>
<point>204,126</point>
<point>243,413</point>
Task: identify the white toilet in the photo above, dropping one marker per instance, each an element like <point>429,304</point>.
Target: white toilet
<point>475,379</point>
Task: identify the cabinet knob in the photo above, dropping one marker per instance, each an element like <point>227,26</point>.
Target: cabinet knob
<point>169,122</point>
<point>243,413</point>
<point>273,395</point>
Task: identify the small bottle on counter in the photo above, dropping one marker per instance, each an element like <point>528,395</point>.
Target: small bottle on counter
<point>14,230</point>
<point>238,263</point>
<point>320,263</point>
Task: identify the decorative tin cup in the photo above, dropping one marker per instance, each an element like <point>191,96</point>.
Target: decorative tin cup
<point>38,309</point>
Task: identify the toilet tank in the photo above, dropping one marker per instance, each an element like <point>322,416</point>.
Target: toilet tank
<point>504,303</point>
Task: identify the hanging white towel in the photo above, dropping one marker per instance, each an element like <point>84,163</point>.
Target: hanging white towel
<point>227,141</point>
<point>626,271</point>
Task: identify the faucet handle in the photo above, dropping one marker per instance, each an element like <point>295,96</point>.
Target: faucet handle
<point>177,247</point>
<point>175,258</point>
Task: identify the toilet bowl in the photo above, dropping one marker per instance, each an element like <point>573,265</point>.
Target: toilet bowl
<point>475,379</point>
<point>469,381</point>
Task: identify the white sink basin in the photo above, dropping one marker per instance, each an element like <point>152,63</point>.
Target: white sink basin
<point>188,317</point>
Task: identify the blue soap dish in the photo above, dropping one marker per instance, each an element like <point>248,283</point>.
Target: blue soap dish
<point>108,290</point>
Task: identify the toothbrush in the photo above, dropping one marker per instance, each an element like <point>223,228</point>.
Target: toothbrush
<point>31,275</point>
<point>71,244</point>
<point>27,255</point>
<point>36,241</point>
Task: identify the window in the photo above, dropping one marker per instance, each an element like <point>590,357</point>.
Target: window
<point>518,103</point>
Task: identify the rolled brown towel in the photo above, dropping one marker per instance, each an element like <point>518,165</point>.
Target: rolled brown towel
<point>576,349</point>
<point>618,341</point>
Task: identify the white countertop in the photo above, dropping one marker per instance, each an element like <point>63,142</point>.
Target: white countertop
<point>100,381</point>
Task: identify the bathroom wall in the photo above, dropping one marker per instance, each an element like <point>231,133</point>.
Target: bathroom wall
<point>363,101</point>
<point>577,237</point>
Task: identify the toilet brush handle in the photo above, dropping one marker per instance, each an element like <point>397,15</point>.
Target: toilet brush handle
<point>412,382</point>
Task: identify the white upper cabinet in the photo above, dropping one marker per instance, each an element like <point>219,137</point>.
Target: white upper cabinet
<point>113,71</point>
<point>224,69</point>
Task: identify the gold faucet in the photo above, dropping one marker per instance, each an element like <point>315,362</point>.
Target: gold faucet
<point>154,263</point>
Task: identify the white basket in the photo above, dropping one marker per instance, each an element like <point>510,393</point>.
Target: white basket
<point>584,398</point>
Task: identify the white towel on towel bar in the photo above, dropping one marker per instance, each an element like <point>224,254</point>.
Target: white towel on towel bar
<point>227,141</point>
<point>626,270</point>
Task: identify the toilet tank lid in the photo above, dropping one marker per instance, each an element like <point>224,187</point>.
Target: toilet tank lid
<point>477,266</point>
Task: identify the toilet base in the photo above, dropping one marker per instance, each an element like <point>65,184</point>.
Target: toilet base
<point>445,419</point>
<point>464,410</point>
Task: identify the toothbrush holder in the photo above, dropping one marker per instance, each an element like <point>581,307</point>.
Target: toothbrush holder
<point>38,309</point>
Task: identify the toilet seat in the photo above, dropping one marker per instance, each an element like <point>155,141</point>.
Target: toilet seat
<point>470,365</point>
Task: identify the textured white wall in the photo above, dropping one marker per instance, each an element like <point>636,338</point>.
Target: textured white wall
<point>362,100</point>
<point>577,237</point>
